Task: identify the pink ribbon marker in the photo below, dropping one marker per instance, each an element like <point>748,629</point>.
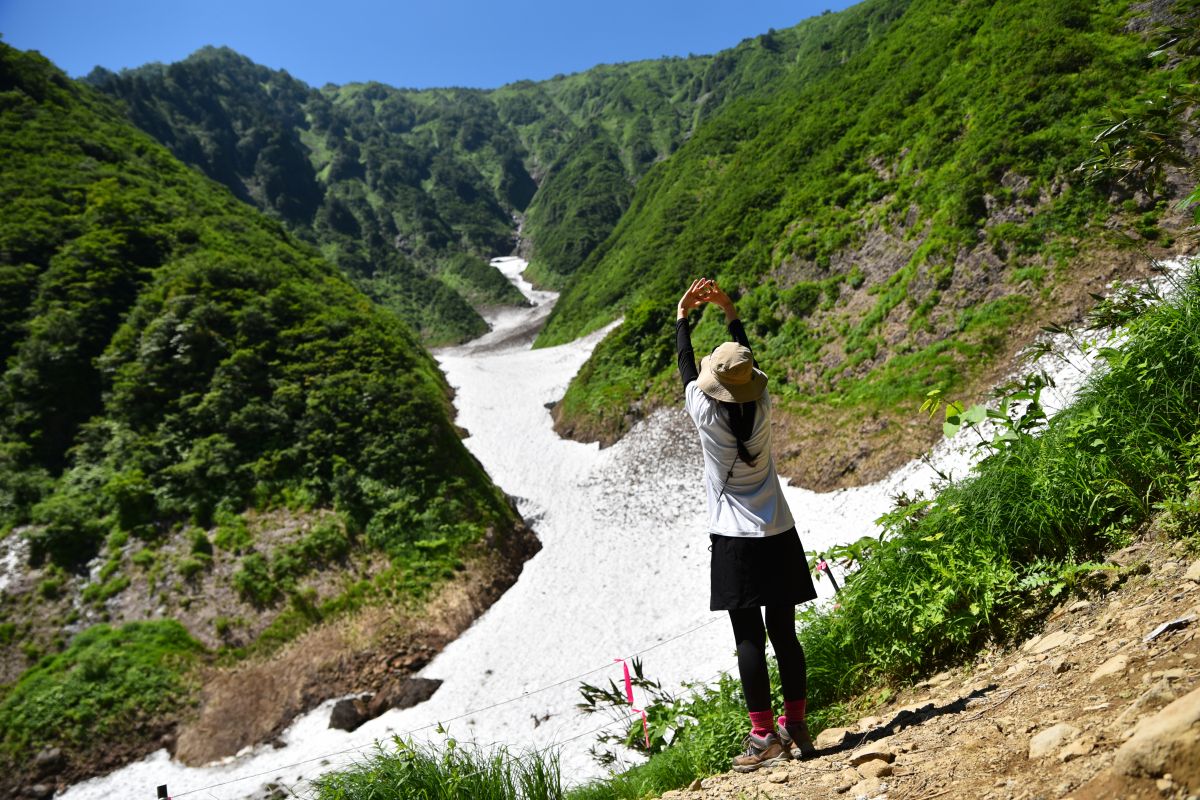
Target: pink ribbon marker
<point>822,566</point>
<point>629,697</point>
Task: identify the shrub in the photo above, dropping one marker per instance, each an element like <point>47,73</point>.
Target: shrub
<point>100,688</point>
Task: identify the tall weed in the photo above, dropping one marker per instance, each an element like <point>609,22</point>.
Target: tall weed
<point>455,771</point>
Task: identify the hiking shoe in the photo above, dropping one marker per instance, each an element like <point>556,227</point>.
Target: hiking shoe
<point>761,751</point>
<point>795,739</point>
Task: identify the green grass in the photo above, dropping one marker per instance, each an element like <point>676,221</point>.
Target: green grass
<point>456,771</point>
<point>104,686</point>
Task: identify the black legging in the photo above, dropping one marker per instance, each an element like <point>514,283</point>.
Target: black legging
<point>751,639</point>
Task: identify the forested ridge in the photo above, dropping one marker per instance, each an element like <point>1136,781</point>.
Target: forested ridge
<point>178,367</point>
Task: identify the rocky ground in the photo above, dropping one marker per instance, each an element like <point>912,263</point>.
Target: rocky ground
<point>1103,703</point>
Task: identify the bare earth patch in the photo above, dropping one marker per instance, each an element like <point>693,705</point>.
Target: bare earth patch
<point>254,702</point>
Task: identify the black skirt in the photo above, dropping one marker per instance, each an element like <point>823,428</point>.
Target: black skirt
<point>752,571</point>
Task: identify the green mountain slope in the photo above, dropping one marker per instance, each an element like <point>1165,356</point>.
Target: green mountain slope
<point>632,116</point>
<point>886,224</point>
<point>395,184</point>
<point>312,162</point>
<point>172,359</point>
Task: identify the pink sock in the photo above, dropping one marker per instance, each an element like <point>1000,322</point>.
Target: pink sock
<point>762,722</point>
<point>794,710</point>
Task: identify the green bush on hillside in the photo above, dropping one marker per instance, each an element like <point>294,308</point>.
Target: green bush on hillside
<point>104,686</point>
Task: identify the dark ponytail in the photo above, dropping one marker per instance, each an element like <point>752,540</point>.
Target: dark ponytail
<point>740,417</point>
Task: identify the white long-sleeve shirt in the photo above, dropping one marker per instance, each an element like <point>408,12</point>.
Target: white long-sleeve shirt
<point>752,503</point>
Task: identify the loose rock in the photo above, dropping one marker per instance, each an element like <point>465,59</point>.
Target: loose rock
<point>868,723</point>
<point>868,787</point>
<point>843,780</point>
<point>1046,742</point>
<point>1114,666</point>
<point>1158,695</point>
<point>1082,746</point>
<point>875,769</point>
<point>1052,640</point>
<point>872,753</point>
<point>49,762</point>
<point>831,737</point>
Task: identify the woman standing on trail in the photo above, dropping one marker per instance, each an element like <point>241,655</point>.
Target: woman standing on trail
<point>758,563</point>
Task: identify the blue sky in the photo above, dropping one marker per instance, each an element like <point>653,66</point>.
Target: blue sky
<point>402,43</point>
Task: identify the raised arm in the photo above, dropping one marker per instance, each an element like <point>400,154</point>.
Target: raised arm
<point>718,297</point>
<point>696,295</point>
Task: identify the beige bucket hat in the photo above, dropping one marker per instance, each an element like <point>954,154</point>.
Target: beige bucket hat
<point>729,374</point>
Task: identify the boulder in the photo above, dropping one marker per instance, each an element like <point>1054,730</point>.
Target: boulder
<point>1168,741</point>
<point>349,713</point>
<point>401,693</point>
